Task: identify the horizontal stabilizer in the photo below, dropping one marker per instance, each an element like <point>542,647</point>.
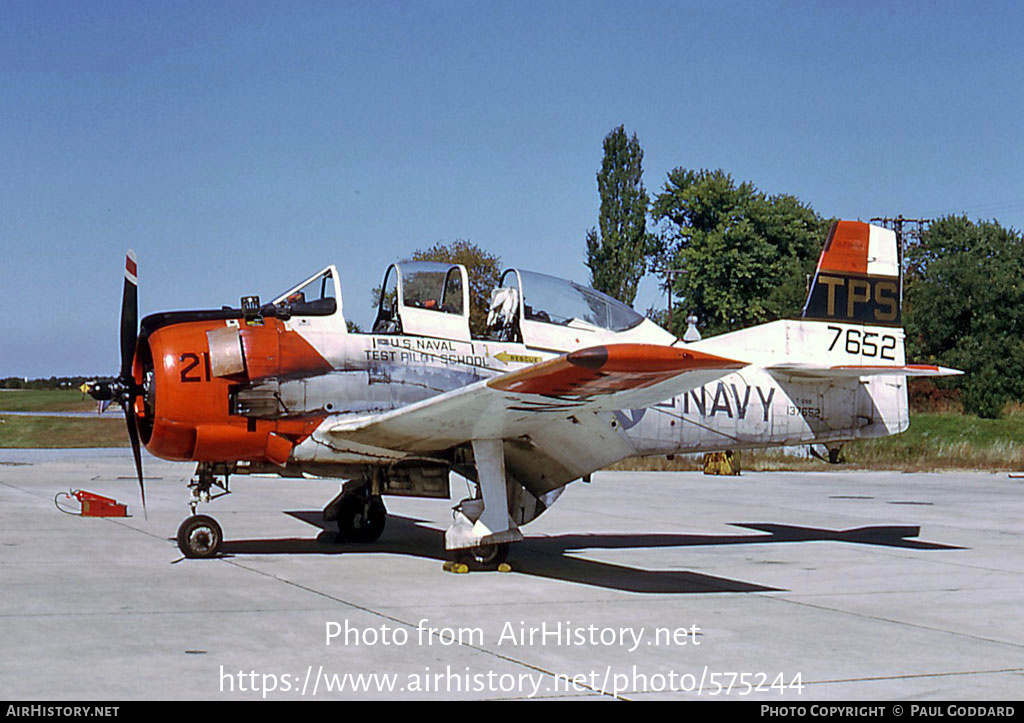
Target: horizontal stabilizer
<point>849,371</point>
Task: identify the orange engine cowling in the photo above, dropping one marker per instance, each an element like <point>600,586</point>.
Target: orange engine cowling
<point>185,412</point>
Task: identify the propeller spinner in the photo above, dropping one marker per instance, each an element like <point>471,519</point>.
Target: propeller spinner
<point>124,389</point>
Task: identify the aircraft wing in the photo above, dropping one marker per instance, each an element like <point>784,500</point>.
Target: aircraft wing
<point>568,389</point>
<point>848,371</point>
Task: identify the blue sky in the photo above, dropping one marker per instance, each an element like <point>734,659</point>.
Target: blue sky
<point>239,147</point>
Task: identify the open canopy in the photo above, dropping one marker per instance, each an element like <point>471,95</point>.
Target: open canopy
<point>426,299</point>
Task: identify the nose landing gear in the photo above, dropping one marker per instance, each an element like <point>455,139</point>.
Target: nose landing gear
<point>200,536</point>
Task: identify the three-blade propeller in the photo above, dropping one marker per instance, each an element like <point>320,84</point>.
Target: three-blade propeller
<point>123,389</point>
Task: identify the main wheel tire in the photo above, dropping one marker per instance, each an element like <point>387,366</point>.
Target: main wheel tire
<point>360,520</point>
<point>483,557</point>
<point>200,536</point>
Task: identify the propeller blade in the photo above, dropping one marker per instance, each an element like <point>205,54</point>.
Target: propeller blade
<point>129,315</point>
<point>127,389</point>
<point>133,435</point>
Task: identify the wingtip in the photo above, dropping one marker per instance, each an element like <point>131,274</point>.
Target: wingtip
<point>593,357</point>
<point>649,358</point>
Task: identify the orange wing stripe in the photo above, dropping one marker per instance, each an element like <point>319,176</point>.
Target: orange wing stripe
<point>608,369</point>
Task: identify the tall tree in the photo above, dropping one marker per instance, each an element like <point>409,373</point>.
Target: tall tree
<point>964,307</point>
<point>482,267</point>
<point>746,254</point>
<point>617,250</point>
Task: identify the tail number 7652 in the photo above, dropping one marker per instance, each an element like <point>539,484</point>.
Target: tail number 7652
<point>865,343</point>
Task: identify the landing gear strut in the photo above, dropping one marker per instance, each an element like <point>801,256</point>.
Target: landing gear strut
<point>482,527</point>
<point>200,536</point>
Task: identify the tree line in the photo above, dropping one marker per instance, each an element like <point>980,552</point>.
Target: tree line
<point>43,383</point>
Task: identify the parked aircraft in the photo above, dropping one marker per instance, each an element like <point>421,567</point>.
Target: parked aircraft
<point>564,382</point>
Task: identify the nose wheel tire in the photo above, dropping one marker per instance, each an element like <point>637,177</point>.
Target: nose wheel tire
<point>361,520</point>
<point>200,536</point>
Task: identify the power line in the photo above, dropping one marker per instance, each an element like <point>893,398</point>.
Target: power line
<point>915,227</point>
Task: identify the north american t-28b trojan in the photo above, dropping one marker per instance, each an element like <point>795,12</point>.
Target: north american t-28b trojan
<point>564,381</point>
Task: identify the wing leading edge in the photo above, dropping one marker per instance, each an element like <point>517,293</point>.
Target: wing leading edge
<point>595,379</point>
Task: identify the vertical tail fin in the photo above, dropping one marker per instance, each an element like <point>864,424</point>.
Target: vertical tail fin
<point>858,279</point>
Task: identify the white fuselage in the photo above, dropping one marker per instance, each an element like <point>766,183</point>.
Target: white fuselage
<point>749,408</point>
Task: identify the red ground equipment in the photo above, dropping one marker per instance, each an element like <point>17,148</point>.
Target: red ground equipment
<point>92,504</point>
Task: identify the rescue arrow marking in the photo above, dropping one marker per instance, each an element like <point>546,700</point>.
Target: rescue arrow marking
<point>505,358</point>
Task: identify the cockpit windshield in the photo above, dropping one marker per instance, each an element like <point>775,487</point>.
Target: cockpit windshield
<point>559,301</point>
<point>315,297</point>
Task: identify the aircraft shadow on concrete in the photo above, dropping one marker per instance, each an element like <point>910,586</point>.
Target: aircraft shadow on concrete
<point>550,557</point>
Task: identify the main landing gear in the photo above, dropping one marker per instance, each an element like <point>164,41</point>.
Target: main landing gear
<point>360,514</point>
<point>200,536</point>
<point>482,527</point>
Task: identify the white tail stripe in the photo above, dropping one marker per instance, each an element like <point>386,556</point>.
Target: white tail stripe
<point>882,255</point>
